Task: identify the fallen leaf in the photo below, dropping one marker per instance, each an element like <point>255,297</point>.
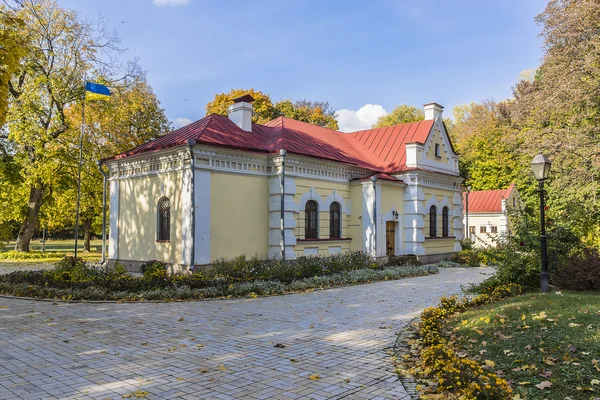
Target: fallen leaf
<point>181,319</point>
<point>543,385</point>
<point>280,345</point>
<point>524,383</point>
<point>314,377</point>
<point>490,363</point>
<point>594,382</point>
<point>222,368</point>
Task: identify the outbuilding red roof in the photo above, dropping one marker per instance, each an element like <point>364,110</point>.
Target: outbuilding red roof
<point>377,149</point>
<point>487,200</point>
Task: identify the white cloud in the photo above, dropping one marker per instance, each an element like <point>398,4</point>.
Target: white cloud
<point>363,118</point>
<point>181,122</point>
<point>161,3</point>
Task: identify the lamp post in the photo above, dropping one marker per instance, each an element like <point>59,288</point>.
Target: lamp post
<point>468,233</point>
<point>541,169</point>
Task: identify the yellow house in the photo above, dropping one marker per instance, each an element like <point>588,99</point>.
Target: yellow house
<point>224,187</point>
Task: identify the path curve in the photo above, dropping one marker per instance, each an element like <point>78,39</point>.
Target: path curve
<point>223,349</point>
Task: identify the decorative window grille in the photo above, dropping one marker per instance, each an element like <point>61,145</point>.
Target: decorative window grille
<point>494,229</point>
<point>311,220</point>
<point>164,220</point>
<point>482,229</point>
<point>445,222</point>
<point>433,221</point>
<point>335,221</point>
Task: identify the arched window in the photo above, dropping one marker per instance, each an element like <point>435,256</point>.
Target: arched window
<point>335,221</point>
<point>311,220</point>
<point>445,222</point>
<point>164,220</point>
<point>433,221</point>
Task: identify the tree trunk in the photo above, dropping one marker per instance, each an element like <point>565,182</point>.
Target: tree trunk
<point>87,234</point>
<point>29,226</point>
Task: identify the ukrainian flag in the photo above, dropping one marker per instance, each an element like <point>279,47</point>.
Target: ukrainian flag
<point>95,91</point>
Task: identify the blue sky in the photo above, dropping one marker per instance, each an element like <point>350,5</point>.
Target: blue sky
<point>350,53</point>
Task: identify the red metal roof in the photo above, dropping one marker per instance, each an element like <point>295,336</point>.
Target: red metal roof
<point>386,146</point>
<point>487,200</point>
<point>377,149</point>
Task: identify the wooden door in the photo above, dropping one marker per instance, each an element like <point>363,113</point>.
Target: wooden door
<point>390,238</point>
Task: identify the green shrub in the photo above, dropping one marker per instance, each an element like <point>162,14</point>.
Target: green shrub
<point>154,271</point>
<point>580,272</point>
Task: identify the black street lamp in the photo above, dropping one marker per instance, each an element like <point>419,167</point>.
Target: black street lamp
<point>541,169</point>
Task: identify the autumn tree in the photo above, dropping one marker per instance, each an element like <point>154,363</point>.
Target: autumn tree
<point>400,115</point>
<point>264,111</point>
<point>130,118</point>
<point>558,112</point>
<point>63,47</point>
<point>314,112</point>
<point>13,47</point>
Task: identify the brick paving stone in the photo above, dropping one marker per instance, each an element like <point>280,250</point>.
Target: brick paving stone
<point>222,349</point>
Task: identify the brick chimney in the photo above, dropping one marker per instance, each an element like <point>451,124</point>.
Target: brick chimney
<point>240,112</point>
<point>432,111</point>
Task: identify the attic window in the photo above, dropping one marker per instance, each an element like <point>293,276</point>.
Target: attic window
<point>437,150</point>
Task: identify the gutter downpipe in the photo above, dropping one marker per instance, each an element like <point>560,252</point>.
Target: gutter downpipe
<point>374,180</point>
<point>191,143</point>
<point>105,175</point>
<point>282,153</point>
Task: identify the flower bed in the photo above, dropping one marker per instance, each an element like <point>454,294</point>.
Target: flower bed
<point>72,280</point>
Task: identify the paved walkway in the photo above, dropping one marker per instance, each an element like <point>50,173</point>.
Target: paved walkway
<point>329,344</point>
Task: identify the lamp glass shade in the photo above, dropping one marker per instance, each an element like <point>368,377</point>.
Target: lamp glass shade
<point>540,165</point>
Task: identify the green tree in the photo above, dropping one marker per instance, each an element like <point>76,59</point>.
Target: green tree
<point>400,115</point>
<point>63,47</point>
<point>481,135</point>
<point>13,47</point>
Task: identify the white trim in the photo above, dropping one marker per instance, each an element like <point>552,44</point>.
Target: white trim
<point>335,197</point>
<point>311,194</point>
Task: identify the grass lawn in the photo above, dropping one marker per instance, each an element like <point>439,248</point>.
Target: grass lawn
<point>538,340</point>
<point>60,245</point>
<point>55,251</point>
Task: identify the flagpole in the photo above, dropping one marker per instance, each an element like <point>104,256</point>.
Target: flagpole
<point>79,169</point>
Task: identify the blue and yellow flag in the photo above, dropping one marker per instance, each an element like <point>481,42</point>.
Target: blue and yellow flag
<point>95,91</point>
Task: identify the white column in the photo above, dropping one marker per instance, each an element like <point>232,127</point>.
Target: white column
<point>113,233</point>
<point>289,213</point>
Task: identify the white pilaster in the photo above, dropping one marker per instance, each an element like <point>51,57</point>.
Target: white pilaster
<point>368,218</point>
<point>414,220</point>
<point>186,215</point>
<point>202,216</point>
<point>457,217</point>
<point>113,234</point>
